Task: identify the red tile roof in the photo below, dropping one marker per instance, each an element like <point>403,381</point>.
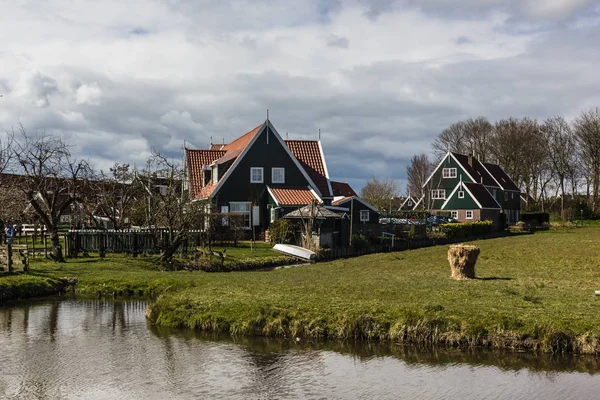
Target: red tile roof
<point>196,160</point>
<point>308,153</point>
<point>292,196</point>
<point>342,189</point>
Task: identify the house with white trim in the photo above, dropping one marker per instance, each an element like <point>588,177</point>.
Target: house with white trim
<point>263,177</point>
<point>471,191</point>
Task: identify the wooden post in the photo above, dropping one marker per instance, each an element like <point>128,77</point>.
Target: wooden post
<point>9,266</point>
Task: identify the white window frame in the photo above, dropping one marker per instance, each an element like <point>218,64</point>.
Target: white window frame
<point>262,174</point>
<point>461,194</point>
<point>448,173</point>
<point>454,214</point>
<point>467,214</point>
<point>214,177</point>
<point>273,174</point>
<point>364,213</point>
<point>409,203</point>
<point>505,196</point>
<point>512,195</point>
<point>438,194</point>
<point>247,213</point>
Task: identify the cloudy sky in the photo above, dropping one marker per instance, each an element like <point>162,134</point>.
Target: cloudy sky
<point>381,78</point>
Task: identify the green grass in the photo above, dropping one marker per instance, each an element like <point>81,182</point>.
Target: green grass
<point>533,291</point>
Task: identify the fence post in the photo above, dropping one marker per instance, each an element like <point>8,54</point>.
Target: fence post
<point>101,248</point>
<point>134,251</point>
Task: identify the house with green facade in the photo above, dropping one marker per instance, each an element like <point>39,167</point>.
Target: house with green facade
<point>263,177</point>
<point>471,191</point>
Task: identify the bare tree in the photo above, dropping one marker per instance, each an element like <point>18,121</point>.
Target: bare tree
<point>169,210</point>
<point>450,139</point>
<point>380,192</point>
<point>417,173</point>
<point>52,180</point>
<point>464,137</point>
<point>115,194</point>
<point>587,131</point>
<point>561,153</point>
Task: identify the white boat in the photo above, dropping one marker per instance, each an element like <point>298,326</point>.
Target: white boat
<point>295,251</point>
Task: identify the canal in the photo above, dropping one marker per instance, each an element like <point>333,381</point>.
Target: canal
<point>79,349</point>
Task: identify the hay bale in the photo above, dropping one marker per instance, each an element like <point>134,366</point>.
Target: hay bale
<point>462,259</point>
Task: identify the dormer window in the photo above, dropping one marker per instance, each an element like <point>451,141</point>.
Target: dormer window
<point>461,194</point>
<point>256,175</point>
<point>449,173</point>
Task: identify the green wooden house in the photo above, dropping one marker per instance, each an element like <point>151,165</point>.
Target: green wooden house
<point>471,191</point>
<point>262,177</point>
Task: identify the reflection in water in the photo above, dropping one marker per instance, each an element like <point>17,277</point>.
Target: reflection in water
<point>102,349</point>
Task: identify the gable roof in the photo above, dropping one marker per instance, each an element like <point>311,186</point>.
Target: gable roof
<point>342,189</point>
<point>478,193</point>
<point>477,171</point>
<point>406,200</point>
<point>310,155</point>
<point>293,196</point>
<point>501,177</point>
<point>360,200</point>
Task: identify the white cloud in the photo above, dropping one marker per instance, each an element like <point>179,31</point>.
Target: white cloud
<point>88,94</point>
<point>118,83</point>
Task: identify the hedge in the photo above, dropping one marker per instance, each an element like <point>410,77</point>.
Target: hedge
<point>537,218</point>
<point>466,229</point>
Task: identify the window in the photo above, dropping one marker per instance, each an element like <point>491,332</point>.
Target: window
<point>454,214</point>
<point>256,175</point>
<point>505,195</point>
<point>224,218</point>
<point>512,195</point>
<point>215,175</point>
<point>364,215</point>
<point>242,209</point>
<point>438,194</point>
<point>461,194</point>
<point>449,173</point>
<point>277,175</point>
<point>469,214</point>
<point>409,203</point>
<point>495,193</point>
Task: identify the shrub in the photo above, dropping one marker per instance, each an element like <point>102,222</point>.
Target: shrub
<point>417,232</point>
<point>535,219</point>
<point>281,231</point>
<point>466,229</point>
<point>360,242</point>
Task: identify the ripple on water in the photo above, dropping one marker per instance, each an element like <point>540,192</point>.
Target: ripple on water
<point>106,350</point>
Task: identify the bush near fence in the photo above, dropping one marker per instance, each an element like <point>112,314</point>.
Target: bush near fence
<point>535,219</point>
<point>466,229</point>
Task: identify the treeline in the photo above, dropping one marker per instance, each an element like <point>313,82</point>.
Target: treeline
<point>555,163</point>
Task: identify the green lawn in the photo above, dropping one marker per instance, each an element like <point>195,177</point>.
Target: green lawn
<point>532,291</point>
<point>534,287</point>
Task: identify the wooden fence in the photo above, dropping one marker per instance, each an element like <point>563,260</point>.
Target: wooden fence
<point>132,242</point>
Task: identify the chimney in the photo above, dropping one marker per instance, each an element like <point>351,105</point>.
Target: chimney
<point>471,160</point>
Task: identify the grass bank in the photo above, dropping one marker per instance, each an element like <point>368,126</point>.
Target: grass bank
<point>124,275</point>
<point>534,292</point>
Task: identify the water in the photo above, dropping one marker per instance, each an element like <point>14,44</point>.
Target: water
<point>78,349</point>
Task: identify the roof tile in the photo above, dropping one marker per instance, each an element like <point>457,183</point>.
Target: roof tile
<point>293,196</point>
<point>308,153</point>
